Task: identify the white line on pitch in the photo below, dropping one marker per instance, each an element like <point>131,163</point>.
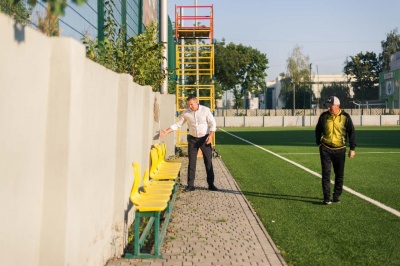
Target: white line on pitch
<point>366,152</point>
<point>376,203</point>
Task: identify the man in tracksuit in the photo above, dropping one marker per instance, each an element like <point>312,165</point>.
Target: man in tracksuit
<point>333,129</point>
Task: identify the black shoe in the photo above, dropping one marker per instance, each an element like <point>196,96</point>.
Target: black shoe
<point>336,200</point>
<point>213,188</point>
<point>189,188</point>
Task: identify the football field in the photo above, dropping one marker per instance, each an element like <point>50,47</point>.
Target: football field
<point>278,170</point>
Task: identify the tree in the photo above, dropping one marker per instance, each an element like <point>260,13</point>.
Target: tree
<point>296,80</point>
<point>19,11</point>
<point>252,75</point>
<point>239,65</point>
<point>228,62</point>
<point>238,96</point>
<point>389,47</point>
<point>363,74</point>
<point>339,90</point>
<point>298,66</point>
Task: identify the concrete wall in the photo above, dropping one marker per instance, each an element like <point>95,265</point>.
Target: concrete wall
<point>70,130</point>
<point>300,121</point>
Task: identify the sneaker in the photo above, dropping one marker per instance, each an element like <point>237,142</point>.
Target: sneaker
<point>336,200</point>
<point>327,202</point>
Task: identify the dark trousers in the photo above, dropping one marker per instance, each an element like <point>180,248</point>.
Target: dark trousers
<point>194,144</point>
<point>335,158</point>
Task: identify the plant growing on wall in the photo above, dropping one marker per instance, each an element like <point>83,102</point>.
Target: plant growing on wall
<point>19,11</point>
<point>140,56</point>
<point>112,48</point>
<point>49,23</point>
<point>57,7</point>
<point>147,58</point>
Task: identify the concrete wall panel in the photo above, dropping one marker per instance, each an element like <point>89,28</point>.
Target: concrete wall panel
<point>273,121</point>
<point>293,121</point>
<point>220,120</point>
<point>370,120</point>
<point>167,105</point>
<point>356,120</point>
<point>24,99</point>
<point>391,120</point>
<point>253,121</point>
<point>92,163</point>
<point>234,121</point>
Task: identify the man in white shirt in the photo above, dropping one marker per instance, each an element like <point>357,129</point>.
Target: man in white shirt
<point>202,126</point>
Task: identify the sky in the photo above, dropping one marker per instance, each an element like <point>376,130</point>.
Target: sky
<point>328,31</point>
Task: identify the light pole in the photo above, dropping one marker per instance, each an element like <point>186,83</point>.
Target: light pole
<point>311,91</point>
<point>318,99</point>
<point>294,98</point>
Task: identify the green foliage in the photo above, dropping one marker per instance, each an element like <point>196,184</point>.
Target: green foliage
<point>227,64</point>
<point>147,58</point>
<point>363,72</point>
<point>239,65</point>
<point>342,91</point>
<point>297,78</point>
<point>113,52</point>
<point>298,66</point>
<point>303,94</point>
<point>57,7</point>
<point>238,97</point>
<point>140,56</point>
<point>172,85</point>
<point>218,91</point>
<point>19,11</point>
<point>390,46</point>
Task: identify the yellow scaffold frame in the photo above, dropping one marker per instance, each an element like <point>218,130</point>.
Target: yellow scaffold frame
<point>194,24</point>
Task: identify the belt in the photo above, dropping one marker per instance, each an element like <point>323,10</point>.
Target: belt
<point>332,148</point>
<point>198,138</point>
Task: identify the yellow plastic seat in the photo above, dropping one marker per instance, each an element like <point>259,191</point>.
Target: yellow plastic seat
<point>162,168</point>
<point>151,206</point>
<point>161,151</point>
<point>164,152</point>
<point>162,174</point>
<point>163,184</point>
<point>147,199</point>
<point>156,190</point>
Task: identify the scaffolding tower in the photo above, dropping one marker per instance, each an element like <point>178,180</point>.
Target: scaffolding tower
<point>194,32</point>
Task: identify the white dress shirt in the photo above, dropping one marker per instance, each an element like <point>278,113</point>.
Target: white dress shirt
<point>200,122</point>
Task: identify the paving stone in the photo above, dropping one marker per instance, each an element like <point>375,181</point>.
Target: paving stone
<point>213,227</point>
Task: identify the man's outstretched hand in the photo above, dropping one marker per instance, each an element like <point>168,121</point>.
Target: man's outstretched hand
<point>163,133</point>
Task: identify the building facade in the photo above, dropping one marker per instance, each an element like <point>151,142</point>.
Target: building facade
<point>272,98</point>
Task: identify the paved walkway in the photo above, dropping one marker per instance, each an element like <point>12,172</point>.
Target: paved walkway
<point>213,227</point>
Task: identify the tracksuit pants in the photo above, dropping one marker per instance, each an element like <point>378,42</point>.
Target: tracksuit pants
<point>335,158</point>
